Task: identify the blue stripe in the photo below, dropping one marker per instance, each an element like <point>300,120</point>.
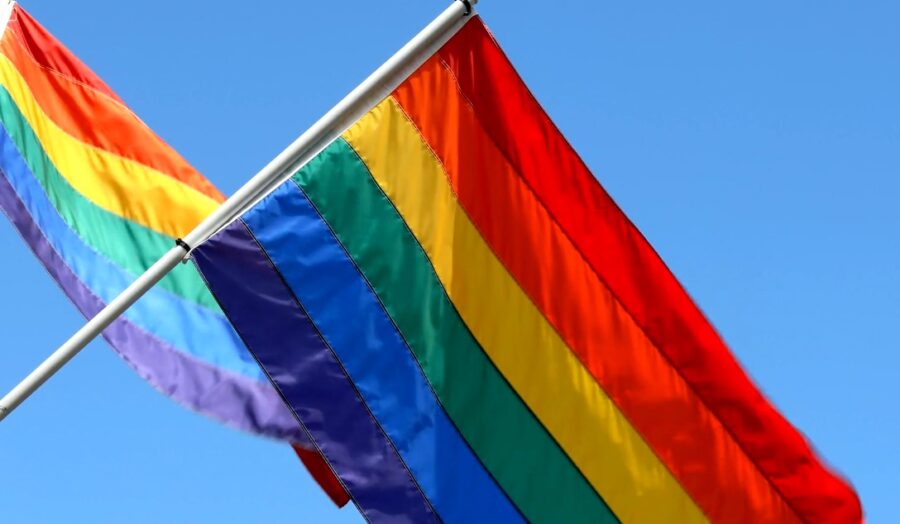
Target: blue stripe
<point>190,328</point>
<point>311,380</point>
<point>234,399</point>
<point>354,323</point>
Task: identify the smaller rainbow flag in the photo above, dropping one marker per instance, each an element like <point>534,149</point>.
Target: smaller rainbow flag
<point>99,198</point>
<point>472,331</point>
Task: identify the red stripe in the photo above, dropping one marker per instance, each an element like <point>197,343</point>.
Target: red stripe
<point>87,112</point>
<point>651,395</point>
<point>323,475</point>
<point>51,54</point>
<point>636,275</point>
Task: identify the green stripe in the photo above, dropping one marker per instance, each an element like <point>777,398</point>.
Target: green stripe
<point>129,245</point>
<point>511,443</point>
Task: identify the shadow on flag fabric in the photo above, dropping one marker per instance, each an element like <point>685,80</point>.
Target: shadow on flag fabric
<point>99,197</point>
<point>472,331</point>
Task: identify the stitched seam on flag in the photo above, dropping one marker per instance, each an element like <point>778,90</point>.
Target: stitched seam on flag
<point>475,342</point>
<point>188,203</point>
<point>56,210</point>
<point>132,325</point>
<point>337,359</point>
<point>90,292</point>
<point>343,369</point>
<point>777,502</point>
<point>60,74</point>
<point>303,426</point>
<point>171,294</point>
<point>406,345</point>
<point>788,501</point>
<point>515,279</point>
<point>502,263</point>
<point>16,28</point>
<point>288,404</point>
<point>119,103</point>
<point>102,257</point>
<point>56,73</point>
<point>284,400</point>
<point>193,192</point>
<point>60,183</point>
<point>578,357</point>
<point>487,356</point>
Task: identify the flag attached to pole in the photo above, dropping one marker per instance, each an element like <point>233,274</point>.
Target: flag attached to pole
<point>471,330</point>
<point>99,197</point>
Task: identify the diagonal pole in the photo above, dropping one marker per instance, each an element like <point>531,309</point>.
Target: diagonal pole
<point>356,104</point>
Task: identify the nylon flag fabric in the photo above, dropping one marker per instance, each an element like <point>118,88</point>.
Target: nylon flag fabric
<point>472,331</point>
<point>99,197</point>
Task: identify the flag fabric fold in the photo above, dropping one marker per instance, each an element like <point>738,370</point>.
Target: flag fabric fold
<point>99,198</point>
<point>451,282</point>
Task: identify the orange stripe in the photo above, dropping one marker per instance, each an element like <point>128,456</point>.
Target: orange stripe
<point>520,342</point>
<point>94,118</point>
<point>654,398</point>
<point>51,53</point>
<point>639,278</point>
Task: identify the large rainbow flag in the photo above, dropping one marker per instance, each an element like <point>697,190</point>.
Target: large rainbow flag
<point>99,198</point>
<point>472,331</point>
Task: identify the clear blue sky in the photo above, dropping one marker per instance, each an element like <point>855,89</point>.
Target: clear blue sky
<point>757,147</point>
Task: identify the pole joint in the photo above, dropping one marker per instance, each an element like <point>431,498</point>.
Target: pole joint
<point>187,249</point>
<point>468,6</point>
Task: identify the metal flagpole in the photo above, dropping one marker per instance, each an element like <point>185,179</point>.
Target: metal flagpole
<point>356,104</point>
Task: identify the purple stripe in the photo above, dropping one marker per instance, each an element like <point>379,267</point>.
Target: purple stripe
<point>313,381</point>
<point>230,398</point>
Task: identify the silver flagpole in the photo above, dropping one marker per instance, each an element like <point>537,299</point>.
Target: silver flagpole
<point>356,104</point>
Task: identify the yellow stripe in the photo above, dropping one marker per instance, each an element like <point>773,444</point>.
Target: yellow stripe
<point>520,341</point>
<point>116,184</point>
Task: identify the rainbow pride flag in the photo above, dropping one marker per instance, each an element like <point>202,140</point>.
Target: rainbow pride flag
<point>472,331</point>
<point>99,198</point>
